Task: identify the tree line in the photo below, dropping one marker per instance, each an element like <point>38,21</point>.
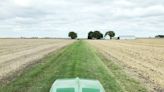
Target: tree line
<point>93,35</point>
<point>159,36</point>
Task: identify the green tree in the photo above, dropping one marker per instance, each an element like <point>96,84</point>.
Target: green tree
<point>72,35</point>
<point>95,35</point>
<point>159,36</point>
<point>90,35</point>
<point>110,33</point>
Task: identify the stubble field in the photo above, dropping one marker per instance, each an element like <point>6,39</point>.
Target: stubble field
<point>76,60</point>
<point>141,58</point>
<point>120,65</point>
<point>16,54</point>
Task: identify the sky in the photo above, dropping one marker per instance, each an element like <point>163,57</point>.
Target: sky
<point>55,18</point>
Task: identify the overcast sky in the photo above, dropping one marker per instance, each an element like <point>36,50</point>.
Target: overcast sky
<point>55,18</point>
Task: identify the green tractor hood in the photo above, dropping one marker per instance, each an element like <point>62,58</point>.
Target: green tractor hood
<point>76,85</point>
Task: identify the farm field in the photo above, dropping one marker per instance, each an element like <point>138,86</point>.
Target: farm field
<point>16,54</point>
<point>142,58</point>
<point>76,60</point>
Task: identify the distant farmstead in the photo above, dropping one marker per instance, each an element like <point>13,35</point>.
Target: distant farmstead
<point>127,37</point>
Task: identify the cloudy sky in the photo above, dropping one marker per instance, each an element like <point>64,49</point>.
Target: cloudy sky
<point>55,18</point>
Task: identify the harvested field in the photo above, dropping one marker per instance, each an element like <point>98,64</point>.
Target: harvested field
<point>141,58</point>
<point>16,54</point>
<point>76,60</point>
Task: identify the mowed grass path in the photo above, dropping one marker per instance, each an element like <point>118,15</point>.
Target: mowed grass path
<point>77,60</point>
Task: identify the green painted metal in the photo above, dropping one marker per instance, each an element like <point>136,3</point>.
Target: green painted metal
<point>90,90</point>
<point>65,90</point>
<point>76,85</point>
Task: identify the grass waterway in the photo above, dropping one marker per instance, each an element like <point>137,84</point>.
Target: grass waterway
<point>77,60</point>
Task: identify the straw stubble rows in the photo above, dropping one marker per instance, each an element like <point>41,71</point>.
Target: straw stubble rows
<point>142,59</point>
<point>16,54</point>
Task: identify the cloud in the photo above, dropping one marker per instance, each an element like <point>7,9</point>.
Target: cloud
<point>58,17</point>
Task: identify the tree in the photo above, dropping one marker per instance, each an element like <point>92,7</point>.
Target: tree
<point>90,35</point>
<point>110,33</point>
<point>95,35</point>
<point>159,36</point>
<point>72,35</point>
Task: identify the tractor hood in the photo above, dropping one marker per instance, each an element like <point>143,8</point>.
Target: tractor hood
<point>76,85</point>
